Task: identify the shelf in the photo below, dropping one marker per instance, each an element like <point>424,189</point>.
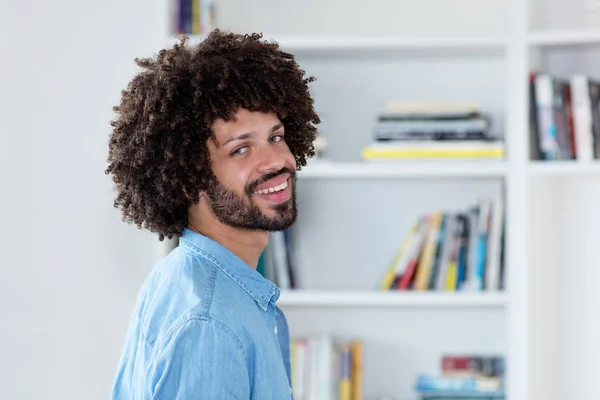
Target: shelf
<point>385,43</point>
<point>468,169</point>
<point>334,298</point>
<point>564,168</point>
<point>565,38</point>
<point>312,43</point>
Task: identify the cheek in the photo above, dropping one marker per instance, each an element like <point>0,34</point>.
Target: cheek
<point>236,179</point>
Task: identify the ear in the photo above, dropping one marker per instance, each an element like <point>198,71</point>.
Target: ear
<point>203,198</point>
<point>194,199</point>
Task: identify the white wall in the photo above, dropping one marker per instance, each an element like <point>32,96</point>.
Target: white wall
<point>69,268</point>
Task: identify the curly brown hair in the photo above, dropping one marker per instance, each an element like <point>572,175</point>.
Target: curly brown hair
<point>158,154</point>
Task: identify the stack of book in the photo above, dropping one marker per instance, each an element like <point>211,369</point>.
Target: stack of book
<point>461,250</point>
<point>325,368</point>
<point>438,131</point>
<point>473,377</point>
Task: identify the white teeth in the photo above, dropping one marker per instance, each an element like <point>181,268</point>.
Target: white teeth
<point>273,189</point>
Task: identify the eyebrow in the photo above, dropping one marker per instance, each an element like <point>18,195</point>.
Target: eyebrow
<point>248,135</point>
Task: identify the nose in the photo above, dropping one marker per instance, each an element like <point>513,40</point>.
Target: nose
<point>270,159</point>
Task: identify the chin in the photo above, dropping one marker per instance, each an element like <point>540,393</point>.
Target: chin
<point>280,210</point>
<point>281,219</point>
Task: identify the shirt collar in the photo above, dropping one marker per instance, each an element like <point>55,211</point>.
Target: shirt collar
<point>260,288</point>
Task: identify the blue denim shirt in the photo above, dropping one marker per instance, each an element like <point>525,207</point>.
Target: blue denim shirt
<point>205,326</point>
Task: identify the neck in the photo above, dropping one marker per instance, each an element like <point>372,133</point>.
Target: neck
<point>247,245</point>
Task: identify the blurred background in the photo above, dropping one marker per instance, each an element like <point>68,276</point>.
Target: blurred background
<point>447,240</point>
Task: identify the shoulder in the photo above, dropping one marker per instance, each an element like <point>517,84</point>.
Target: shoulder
<point>178,290</point>
<point>188,288</point>
<point>199,357</point>
<point>206,335</point>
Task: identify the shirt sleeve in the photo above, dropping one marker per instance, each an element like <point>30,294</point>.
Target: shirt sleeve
<point>201,360</point>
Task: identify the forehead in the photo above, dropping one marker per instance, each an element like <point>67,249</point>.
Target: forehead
<point>244,121</point>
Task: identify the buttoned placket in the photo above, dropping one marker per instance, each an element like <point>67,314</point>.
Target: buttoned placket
<point>275,311</point>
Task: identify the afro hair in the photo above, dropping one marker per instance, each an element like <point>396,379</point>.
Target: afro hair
<point>158,155</point>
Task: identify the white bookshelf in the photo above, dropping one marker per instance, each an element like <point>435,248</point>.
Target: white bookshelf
<point>473,170</point>
<point>371,298</point>
<point>373,170</point>
<point>390,43</point>
<point>564,38</point>
<point>353,214</point>
<point>572,169</point>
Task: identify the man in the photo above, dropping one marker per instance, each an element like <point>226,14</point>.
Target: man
<point>205,147</point>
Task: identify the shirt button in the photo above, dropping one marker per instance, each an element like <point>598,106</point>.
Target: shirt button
<point>275,330</point>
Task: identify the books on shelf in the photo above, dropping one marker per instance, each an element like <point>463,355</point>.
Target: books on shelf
<point>452,251</point>
<point>276,261</point>
<point>468,376</point>
<point>325,367</point>
<point>433,131</point>
<point>192,17</point>
<point>564,117</point>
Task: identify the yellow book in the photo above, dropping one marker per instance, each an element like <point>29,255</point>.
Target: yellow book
<point>431,154</point>
<point>451,276</point>
<point>196,17</point>
<point>357,369</point>
<point>293,349</point>
<point>390,274</point>
<point>428,254</point>
<point>434,149</point>
<point>345,389</point>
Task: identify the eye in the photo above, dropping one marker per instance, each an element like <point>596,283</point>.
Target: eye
<point>276,138</point>
<point>239,151</point>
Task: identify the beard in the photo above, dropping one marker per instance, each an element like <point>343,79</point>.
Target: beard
<point>240,211</point>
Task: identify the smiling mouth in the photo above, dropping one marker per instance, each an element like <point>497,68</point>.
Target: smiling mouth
<point>276,194</point>
<point>274,189</point>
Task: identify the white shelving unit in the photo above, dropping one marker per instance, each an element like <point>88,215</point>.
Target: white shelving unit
<point>353,214</point>
<point>567,38</point>
<point>361,43</point>
<point>564,169</point>
<point>341,298</point>
<point>373,170</point>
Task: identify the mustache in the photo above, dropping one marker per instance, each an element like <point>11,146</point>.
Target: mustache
<point>250,188</point>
